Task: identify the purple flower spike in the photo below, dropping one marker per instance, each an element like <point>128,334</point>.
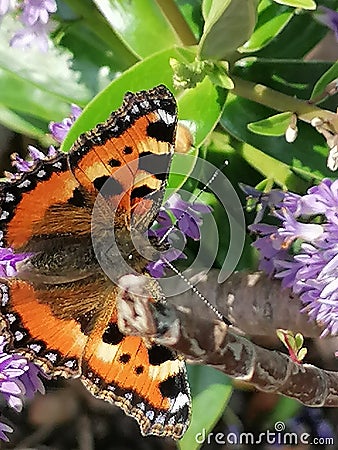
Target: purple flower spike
<point>328,17</point>
<point>12,367</point>
<point>59,130</point>
<point>19,378</point>
<point>157,268</point>
<point>31,380</point>
<point>187,215</point>
<point>35,11</point>
<point>176,220</point>
<point>32,36</point>
<point>20,164</point>
<point>9,260</point>
<point>302,250</point>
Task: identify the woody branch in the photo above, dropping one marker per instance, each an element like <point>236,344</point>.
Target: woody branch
<point>205,340</point>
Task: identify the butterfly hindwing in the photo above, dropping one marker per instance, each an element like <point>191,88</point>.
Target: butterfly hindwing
<point>147,382</point>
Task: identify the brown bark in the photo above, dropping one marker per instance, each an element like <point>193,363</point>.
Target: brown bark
<point>204,339</point>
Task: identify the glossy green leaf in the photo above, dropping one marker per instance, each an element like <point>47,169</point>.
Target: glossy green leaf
<point>330,75</point>
<point>298,38</point>
<point>307,154</point>
<point>211,391</point>
<point>294,78</point>
<point>23,96</point>
<point>22,125</point>
<point>206,7</point>
<point>140,24</point>
<point>304,4</point>
<point>180,169</point>
<point>145,75</point>
<point>271,21</point>
<point>87,14</point>
<point>227,26</point>
<point>272,126</point>
<point>192,12</point>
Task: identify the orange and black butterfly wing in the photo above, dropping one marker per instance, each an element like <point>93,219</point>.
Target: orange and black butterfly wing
<point>28,203</point>
<point>148,383</point>
<point>131,154</point>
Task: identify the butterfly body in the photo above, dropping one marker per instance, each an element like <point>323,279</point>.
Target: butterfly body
<point>77,218</point>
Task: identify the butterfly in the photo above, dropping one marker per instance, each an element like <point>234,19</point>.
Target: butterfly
<point>59,309</point>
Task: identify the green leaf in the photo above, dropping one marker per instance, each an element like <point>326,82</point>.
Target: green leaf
<point>307,154</point>
<point>140,25</point>
<point>299,338</point>
<point>302,353</point>
<point>285,409</point>
<point>25,97</point>
<point>330,75</point>
<point>228,24</point>
<point>181,167</point>
<point>272,126</point>
<point>294,78</point>
<point>147,74</point>
<point>18,123</point>
<point>192,12</point>
<point>298,38</point>
<point>272,19</point>
<point>219,75</point>
<point>211,391</point>
<point>304,4</point>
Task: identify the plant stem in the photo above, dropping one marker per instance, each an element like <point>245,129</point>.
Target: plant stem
<point>282,102</point>
<point>177,21</point>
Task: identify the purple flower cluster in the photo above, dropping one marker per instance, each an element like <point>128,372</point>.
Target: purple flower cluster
<point>19,378</point>
<point>34,16</point>
<point>302,250</point>
<point>59,130</point>
<point>175,217</point>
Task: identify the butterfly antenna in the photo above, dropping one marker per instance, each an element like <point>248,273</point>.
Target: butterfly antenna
<point>211,180</point>
<point>197,292</point>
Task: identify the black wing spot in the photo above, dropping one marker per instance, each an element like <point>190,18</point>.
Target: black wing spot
<point>171,387</point>
<point>161,131</point>
<point>111,186</point>
<point>159,354</point>
<point>112,335</point>
<point>125,358</point>
<point>78,199</point>
<point>114,163</point>
<point>127,150</point>
<point>139,370</point>
<point>141,192</point>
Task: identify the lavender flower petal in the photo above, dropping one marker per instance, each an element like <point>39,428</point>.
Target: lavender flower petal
<point>37,11</point>
<point>32,36</point>
<point>59,130</point>
<point>5,429</point>
<point>328,17</point>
